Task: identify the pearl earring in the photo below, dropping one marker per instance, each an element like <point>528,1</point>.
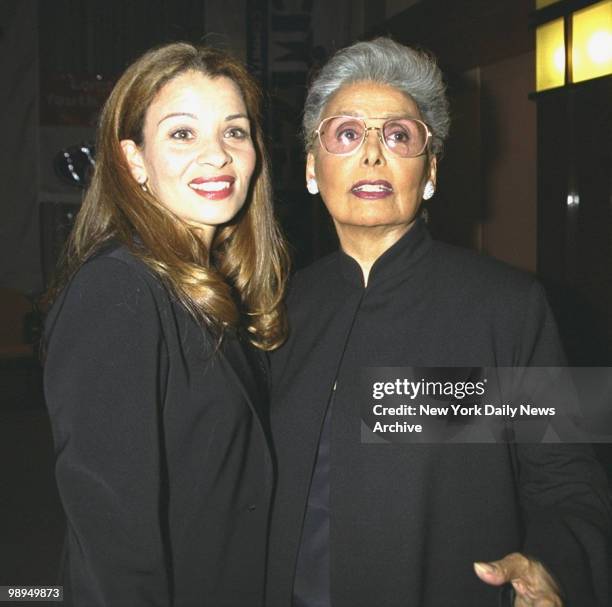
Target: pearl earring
<point>312,187</point>
<point>429,190</point>
<point>143,185</point>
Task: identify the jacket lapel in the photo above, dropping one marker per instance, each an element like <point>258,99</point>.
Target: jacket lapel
<point>232,352</point>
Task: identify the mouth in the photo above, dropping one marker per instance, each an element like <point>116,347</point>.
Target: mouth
<point>372,189</point>
<point>213,188</point>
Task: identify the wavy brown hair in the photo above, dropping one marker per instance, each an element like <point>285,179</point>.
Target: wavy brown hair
<point>243,276</point>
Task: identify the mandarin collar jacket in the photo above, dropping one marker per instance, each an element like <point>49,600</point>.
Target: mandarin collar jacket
<point>408,520</point>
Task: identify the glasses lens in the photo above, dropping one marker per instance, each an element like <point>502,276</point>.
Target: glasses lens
<point>341,134</point>
<point>405,137</point>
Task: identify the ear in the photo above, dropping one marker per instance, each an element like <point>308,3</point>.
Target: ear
<point>433,170</point>
<point>135,161</point>
<point>310,167</point>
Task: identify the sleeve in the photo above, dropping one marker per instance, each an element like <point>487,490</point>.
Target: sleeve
<point>563,488</point>
<point>105,355</point>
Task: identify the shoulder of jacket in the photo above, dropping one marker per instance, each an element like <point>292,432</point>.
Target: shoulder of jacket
<point>118,253</point>
<point>473,268</point>
<point>105,284</point>
<point>117,262</point>
<point>113,275</point>
<point>315,273</point>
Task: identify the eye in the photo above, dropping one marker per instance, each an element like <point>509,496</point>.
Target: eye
<point>345,130</point>
<point>237,132</point>
<point>397,135</point>
<point>182,134</point>
<point>348,133</point>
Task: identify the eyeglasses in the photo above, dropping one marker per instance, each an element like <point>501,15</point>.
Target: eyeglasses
<point>344,135</point>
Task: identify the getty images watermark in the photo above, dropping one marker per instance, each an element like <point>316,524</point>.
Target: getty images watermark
<point>486,404</point>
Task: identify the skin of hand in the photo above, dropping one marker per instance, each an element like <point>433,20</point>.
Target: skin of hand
<point>533,585</point>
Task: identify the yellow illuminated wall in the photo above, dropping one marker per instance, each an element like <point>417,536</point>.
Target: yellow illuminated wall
<point>543,3</point>
<point>592,41</point>
<point>550,55</point>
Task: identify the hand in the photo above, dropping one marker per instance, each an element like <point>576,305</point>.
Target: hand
<point>533,585</point>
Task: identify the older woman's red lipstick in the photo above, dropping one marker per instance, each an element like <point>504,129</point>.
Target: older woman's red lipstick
<point>213,188</point>
<point>372,190</point>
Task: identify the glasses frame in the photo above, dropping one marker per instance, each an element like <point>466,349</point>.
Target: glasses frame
<point>374,128</point>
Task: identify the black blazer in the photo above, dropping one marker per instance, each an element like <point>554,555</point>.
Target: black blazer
<point>408,520</point>
<point>163,465</point>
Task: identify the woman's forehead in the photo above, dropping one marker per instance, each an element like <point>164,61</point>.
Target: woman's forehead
<point>194,89</point>
<point>371,99</point>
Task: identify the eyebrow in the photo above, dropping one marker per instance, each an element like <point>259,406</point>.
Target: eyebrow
<point>175,114</point>
<point>234,116</point>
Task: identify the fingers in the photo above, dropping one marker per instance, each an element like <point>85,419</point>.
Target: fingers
<point>511,567</point>
<point>533,585</point>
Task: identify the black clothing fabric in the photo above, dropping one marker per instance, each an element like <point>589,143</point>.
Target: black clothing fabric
<point>408,520</point>
<point>163,466</point>
<point>311,585</point>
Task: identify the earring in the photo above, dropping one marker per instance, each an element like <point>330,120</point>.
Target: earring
<point>312,187</point>
<point>143,185</point>
<point>429,190</point>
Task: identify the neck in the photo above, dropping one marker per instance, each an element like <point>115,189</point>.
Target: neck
<point>366,244</point>
<point>207,235</point>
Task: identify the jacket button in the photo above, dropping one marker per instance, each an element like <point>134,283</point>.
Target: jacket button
<point>252,507</point>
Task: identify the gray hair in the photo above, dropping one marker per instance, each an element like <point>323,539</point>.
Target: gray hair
<point>414,72</point>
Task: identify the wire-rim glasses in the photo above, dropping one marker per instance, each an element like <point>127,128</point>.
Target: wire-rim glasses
<point>404,136</point>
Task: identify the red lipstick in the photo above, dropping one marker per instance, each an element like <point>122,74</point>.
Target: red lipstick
<point>372,189</point>
<point>213,188</point>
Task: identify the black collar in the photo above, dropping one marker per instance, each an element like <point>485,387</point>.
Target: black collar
<point>397,259</point>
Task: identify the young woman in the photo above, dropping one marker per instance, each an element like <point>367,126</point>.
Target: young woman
<point>172,283</point>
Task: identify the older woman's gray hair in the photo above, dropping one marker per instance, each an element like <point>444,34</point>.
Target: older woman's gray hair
<point>382,60</point>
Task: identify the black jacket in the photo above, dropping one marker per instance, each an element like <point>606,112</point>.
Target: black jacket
<point>408,520</point>
<point>163,465</point>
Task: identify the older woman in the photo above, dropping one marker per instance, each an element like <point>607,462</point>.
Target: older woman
<point>172,285</point>
<point>389,525</point>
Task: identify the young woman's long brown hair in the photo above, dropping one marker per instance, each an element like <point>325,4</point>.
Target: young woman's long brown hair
<point>244,273</point>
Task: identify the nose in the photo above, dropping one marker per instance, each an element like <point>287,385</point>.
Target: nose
<point>213,153</point>
<point>373,153</point>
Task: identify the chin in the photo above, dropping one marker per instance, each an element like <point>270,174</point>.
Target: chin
<point>215,218</point>
<point>373,221</point>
